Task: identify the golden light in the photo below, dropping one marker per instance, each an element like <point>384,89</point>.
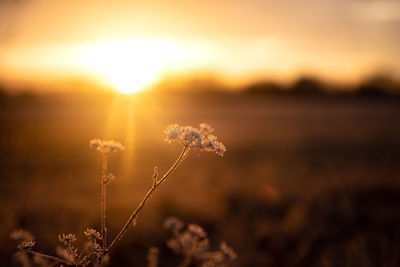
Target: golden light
<point>131,65</point>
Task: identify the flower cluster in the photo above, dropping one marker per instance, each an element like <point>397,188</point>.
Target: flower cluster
<point>189,136</point>
<point>67,238</point>
<point>173,224</point>
<point>26,245</point>
<point>92,234</point>
<point>93,245</point>
<point>69,252</point>
<point>193,243</point>
<point>106,146</point>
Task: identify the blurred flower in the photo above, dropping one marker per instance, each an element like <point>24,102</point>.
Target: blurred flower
<point>106,146</point>
<point>201,247</point>
<point>197,230</point>
<point>21,234</point>
<point>194,245</point>
<point>228,251</point>
<point>173,223</point>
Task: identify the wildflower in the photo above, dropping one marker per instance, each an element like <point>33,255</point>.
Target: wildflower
<point>228,251</point>
<point>106,146</point>
<point>26,245</point>
<point>196,230</point>
<point>172,132</point>
<point>189,136</point>
<point>67,238</point>
<point>95,248</point>
<point>206,128</point>
<point>194,245</point>
<point>173,223</point>
<point>21,234</point>
<point>213,145</point>
<point>201,247</point>
<point>187,242</point>
<point>174,245</point>
<point>92,234</point>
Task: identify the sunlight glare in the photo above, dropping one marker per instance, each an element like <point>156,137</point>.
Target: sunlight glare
<point>131,65</point>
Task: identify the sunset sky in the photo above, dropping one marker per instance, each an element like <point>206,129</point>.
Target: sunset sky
<point>111,41</point>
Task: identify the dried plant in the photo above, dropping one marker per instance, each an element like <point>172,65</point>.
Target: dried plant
<point>193,244</point>
<point>97,250</point>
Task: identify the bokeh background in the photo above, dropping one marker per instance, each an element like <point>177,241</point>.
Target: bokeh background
<point>305,96</point>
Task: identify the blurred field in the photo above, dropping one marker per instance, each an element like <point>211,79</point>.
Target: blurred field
<point>306,181</point>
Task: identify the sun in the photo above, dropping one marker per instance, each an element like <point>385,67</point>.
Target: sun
<point>131,65</point>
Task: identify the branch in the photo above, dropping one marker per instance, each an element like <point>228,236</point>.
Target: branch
<point>52,258</point>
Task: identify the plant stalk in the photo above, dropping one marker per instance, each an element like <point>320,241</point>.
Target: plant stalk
<point>52,258</point>
<point>103,202</point>
<point>154,186</point>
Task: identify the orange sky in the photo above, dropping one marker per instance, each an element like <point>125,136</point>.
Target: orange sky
<point>341,40</point>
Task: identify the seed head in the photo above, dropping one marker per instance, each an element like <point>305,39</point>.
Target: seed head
<point>67,238</point>
<point>92,234</point>
<point>195,138</point>
<point>26,245</point>
<point>106,146</point>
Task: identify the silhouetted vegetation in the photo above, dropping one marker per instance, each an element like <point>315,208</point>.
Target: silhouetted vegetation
<point>307,86</point>
<point>377,86</point>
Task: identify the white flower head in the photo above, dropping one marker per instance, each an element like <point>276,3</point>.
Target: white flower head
<point>172,132</point>
<point>189,136</point>
<point>206,128</point>
<point>106,146</point>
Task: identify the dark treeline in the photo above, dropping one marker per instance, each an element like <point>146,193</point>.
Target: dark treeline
<point>372,87</point>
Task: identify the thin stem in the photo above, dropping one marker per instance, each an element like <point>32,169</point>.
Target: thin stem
<point>52,258</point>
<point>103,201</point>
<point>144,200</point>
